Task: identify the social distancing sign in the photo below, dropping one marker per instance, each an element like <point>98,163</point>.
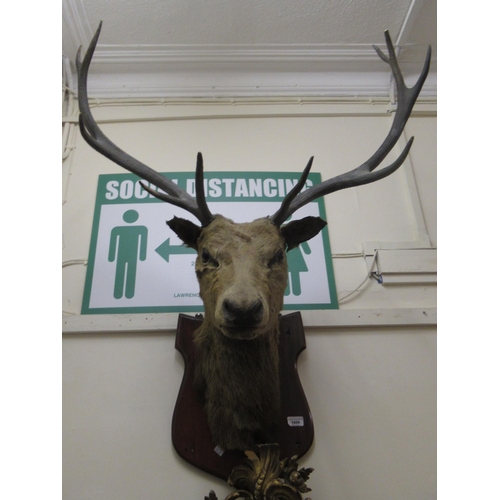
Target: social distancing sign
<point>137,264</point>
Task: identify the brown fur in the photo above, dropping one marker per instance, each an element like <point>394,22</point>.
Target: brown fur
<point>242,272</point>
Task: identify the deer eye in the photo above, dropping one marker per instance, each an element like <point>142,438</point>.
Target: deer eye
<point>277,258</point>
<point>206,258</point>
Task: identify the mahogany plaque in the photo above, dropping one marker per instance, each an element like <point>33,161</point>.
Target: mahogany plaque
<point>190,432</point>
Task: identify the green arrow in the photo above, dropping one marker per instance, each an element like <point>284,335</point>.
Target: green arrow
<point>165,250</point>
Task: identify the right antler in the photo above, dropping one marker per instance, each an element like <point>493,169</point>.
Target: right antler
<point>94,136</point>
<point>364,173</point>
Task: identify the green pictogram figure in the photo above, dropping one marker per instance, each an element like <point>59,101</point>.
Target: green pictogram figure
<point>128,243</point>
<point>296,265</point>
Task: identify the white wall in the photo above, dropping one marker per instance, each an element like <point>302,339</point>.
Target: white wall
<point>371,387</point>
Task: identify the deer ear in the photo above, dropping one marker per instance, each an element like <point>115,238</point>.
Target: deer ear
<point>187,231</point>
<point>298,231</point>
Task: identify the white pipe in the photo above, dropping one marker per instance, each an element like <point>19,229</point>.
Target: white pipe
<point>68,100</point>
<point>372,108</point>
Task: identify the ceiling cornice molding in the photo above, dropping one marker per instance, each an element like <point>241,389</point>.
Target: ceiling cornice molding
<point>327,57</point>
<point>109,54</point>
<point>243,71</point>
<point>256,70</point>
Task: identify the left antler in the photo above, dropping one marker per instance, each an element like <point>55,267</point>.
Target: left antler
<point>364,174</point>
<point>94,136</point>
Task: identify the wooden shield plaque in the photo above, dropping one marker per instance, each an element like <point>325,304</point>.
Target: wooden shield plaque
<point>190,432</point>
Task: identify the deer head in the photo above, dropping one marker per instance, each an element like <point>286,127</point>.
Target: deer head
<point>242,268</point>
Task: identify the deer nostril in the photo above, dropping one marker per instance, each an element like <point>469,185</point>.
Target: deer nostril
<point>256,309</point>
<point>230,309</point>
<point>243,315</point>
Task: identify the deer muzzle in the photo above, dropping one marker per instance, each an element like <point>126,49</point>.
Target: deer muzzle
<point>242,319</point>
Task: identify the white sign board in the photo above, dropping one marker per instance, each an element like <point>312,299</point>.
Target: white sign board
<point>137,264</point>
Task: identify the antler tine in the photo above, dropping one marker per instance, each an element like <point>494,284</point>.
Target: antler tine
<point>202,211</point>
<point>364,174</point>
<point>200,193</point>
<point>94,136</point>
<point>282,214</point>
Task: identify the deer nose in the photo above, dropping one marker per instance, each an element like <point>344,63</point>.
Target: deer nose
<point>242,315</point>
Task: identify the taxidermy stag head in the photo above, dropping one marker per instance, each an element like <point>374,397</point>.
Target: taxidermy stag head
<point>242,270</point>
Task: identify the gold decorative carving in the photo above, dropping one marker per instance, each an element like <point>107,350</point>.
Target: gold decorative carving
<point>263,476</point>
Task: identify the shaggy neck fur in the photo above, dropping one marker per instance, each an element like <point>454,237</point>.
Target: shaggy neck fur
<point>239,381</point>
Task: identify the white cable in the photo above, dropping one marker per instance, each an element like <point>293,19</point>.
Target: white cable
<point>347,255</point>
<point>370,272</point>
<point>75,262</point>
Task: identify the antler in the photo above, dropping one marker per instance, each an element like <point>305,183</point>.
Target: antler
<point>364,173</point>
<point>94,136</point>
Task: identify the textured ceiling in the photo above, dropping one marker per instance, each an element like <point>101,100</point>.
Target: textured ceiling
<point>223,47</point>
